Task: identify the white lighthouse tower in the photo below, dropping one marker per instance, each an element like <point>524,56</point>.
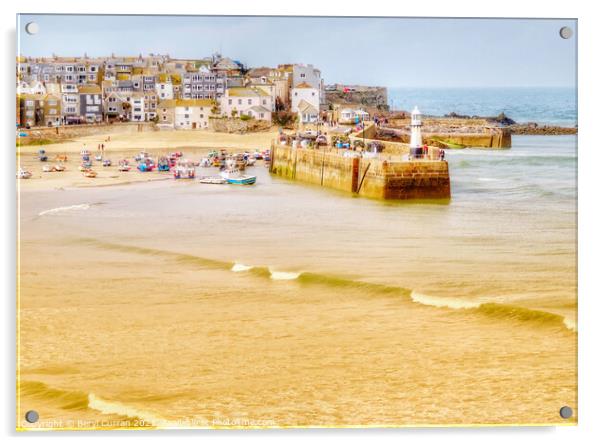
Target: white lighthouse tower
<point>416,139</point>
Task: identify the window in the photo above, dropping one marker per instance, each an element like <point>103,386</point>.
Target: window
<point>296,93</point>
<point>186,116</point>
<point>229,101</point>
<point>29,103</point>
<point>239,101</point>
<point>302,75</point>
<point>313,93</point>
<point>249,101</point>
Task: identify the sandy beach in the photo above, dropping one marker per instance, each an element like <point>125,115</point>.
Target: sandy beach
<point>183,304</point>
<point>126,145</point>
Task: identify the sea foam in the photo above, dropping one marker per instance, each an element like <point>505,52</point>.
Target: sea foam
<point>64,209</point>
<point>239,267</point>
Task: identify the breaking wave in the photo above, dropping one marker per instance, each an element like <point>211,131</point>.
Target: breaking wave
<point>497,310</point>
<point>238,267</point>
<point>64,209</point>
<point>120,409</point>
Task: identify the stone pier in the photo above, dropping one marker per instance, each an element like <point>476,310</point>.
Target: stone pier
<point>372,177</point>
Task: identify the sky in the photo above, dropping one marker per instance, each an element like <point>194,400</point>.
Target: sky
<point>391,52</point>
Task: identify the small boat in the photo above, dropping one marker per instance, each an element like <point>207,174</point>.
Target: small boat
<point>23,174</point>
<point>98,157</point>
<point>235,177</point>
<point>163,164</point>
<point>142,156</point>
<point>48,168</point>
<point>184,170</point>
<point>85,166</point>
<point>258,155</point>
<point>42,155</point>
<point>90,173</point>
<point>106,163</point>
<point>59,168</point>
<point>146,165</point>
<point>61,158</point>
<point>124,166</point>
<point>212,180</point>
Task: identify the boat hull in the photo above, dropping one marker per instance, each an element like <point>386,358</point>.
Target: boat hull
<point>246,180</point>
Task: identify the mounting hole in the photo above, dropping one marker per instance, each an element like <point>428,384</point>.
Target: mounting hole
<point>566,412</point>
<point>566,32</point>
<point>32,28</point>
<point>32,416</point>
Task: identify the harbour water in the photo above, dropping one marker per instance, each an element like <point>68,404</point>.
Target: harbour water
<point>554,106</point>
<point>287,304</point>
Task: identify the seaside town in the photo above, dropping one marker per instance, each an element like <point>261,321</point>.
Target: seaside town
<point>373,151</point>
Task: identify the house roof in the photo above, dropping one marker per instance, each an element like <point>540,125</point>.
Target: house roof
<point>304,85</point>
<point>246,92</point>
<point>171,103</point>
<point>260,109</point>
<point>306,107</point>
<point>89,89</point>
<point>226,64</point>
<point>259,72</point>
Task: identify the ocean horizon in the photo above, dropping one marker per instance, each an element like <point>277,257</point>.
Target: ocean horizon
<point>543,105</point>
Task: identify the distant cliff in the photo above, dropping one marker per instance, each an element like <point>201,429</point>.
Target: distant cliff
<point>358,95</point>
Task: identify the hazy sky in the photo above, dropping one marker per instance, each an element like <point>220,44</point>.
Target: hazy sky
<point>378,51</point>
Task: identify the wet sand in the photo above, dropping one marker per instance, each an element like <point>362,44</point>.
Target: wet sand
<point>144,323</point>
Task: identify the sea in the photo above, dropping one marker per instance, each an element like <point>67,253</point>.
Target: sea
<point>551,106</point>
<point>174,303</point>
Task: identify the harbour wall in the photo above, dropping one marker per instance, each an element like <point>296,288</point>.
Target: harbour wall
<point>371,177</point>
<point>488,138</point>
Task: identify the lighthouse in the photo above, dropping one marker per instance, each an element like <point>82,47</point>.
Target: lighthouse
<point>416,139</point>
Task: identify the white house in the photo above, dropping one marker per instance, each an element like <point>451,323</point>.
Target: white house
<point>164,87</point>
<point>253,102</point>
<point>189,114</point>
<point>136,101</point>
<point>303,95</point>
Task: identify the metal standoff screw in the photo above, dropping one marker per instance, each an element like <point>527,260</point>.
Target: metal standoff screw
<point>32,416</point>
<point>566,412</point>
<point>566,32</point>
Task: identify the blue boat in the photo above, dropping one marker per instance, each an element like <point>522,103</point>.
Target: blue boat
<point>234,177</point>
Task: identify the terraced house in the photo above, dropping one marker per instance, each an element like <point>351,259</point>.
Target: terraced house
<point>202,83</point>
<point>186,114</point>
<point>51,110</point>
<point>90,100</point>
<point>252,102</point>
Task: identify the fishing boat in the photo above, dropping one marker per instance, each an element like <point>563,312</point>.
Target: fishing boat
<point>163,164</point>
<point>48,169</point>
<point>90,173</point>
<point>106,163</point>
<point>233,176</point>
<point>84,152</point>
<point>146,165</point>
<point>23,174</point>
<point>212,180</point>
<point>143,155</point>
<point>85,165</point>
<point>184,170</point>
<point>124,166</point>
